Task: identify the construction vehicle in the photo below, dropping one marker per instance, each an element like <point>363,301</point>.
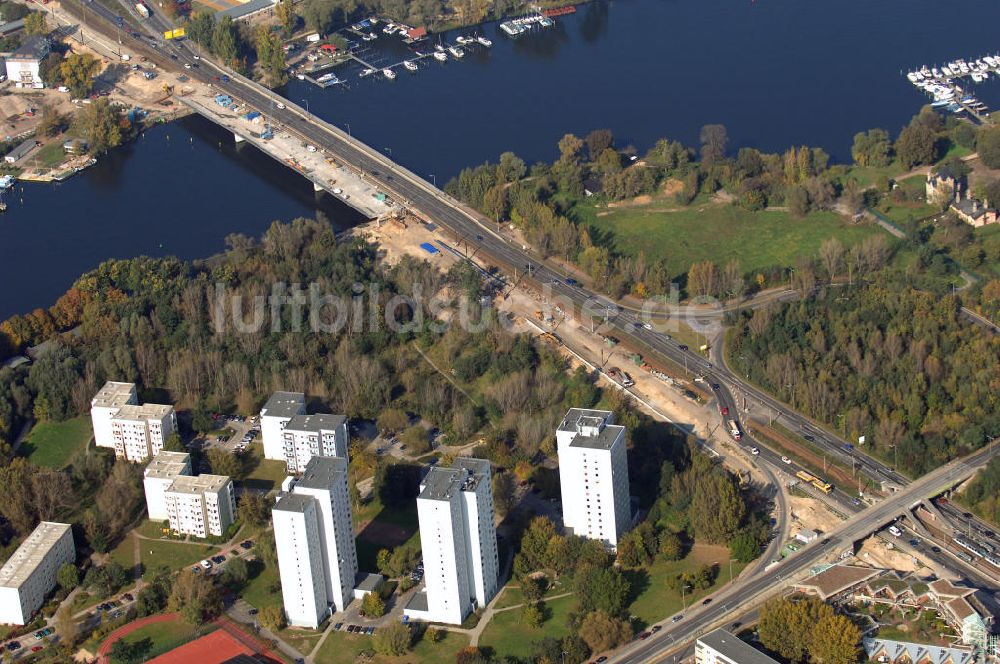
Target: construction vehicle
<point>552,339</point>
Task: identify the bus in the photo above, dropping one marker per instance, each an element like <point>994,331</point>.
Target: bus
<point>734,430</point>
<point>805,477</point>
<point>825,487</point>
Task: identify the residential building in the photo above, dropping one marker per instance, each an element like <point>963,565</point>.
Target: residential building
<point>201,505</point>
<point>157,478</point>
<point>300,560</point>
<point>903,652</point>
<point>946,188</point>
<point>593,475</point>
<point>23,64</point>
<point>325,480</point>
<point>458,541</point>
<point>281,407</point>
<point>313,530</point>
<point>140,431</point>
<point>308,436</point>
<point>722,647</point>
<point>108,400</point>
<point>136,431</point>
<point>31,573</point>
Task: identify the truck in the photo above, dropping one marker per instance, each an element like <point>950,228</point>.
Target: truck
<point>734,430</point>
<point>143,10</point>
<point>620,377</point>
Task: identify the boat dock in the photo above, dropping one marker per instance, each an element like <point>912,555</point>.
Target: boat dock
<point>940,83</point>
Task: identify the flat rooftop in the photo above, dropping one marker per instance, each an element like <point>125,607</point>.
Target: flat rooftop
<point>443,483</point>
<point>836,579</point>
<point>198,484</point>
<point>293,502</point>
<point>166,465</point>
<point>315,423</point>
<point>147,411</point>
<point>593,428</point>
<point>322,472</point>
<point>368,582</point>
<point>569,422</point>
<point>284,404</point>
<point>31,552</point>
<point>733,649</point>
<point>419,601</point>
<point>113,395</point>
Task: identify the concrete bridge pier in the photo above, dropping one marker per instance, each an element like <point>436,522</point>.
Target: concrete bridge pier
<point>239,139</point>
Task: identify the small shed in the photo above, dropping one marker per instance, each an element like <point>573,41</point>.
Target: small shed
<point>21,151</point>
<point>806,536</point>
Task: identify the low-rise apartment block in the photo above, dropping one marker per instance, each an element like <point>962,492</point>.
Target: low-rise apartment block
<point>281,407</point>
<point>308,436</point>
<point>458,539</point>
<point>157,478</point>
<point>593,475</point>
<point>202,505</point>
<point>31,573</point>
<point>136,431</point>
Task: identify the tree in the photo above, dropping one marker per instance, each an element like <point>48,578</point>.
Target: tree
<point>604,589</point>
<point>988,146</point>
<point>66,626</point>
<point>797,200</point>
<point>511,167</point>
<point>716,510</point>
<point>714,139</point>
<point>786,627</point>
<point>173,443</point>
<point>393,640</point>
<point>531,615</point>
<point>503,493</point>
<point>52,122</point>
<point>201,27</point>
<point>195,598</point>
<point>916,145</point>
<point>78,71</point>
<point>102,125</point>
<point>265,550</point>
<point>224,463</point>
<point>569,148</point>
<point>598,141</point>
<point>35,25</point>
<point>373,606</point>
<point>416,439</point>
<point>68,576</point>
<point>392,420</point>
<point>670,546</point>
<point>744,547</point>
<point>131,652</point>
<point>271,618</point>
<point>237,571</point>
<point>284,11</point>
<point>872,148</point>
<point>703,279</point>
<point>603,632</point>
<point>835,640</point>
<point>225,41</point>
<point>831,253</point>
<point>253,509</point>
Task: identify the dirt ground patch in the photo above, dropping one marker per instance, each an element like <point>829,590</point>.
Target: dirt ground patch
<point>385,534</point>
<point>874,552</point>
<point>811,514</point>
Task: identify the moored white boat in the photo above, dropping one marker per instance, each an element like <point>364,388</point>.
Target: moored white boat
<point>410,65</point>
<point>388,73</point>
<point>440,56</point>
<point>456,52</point>
<point>484,41</point>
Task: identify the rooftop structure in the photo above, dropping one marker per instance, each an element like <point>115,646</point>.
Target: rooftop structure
<point>722,647</point>
<point>199,483</point>
<point>114,395</point>
<point>168,465</point>
<point>836,579</point>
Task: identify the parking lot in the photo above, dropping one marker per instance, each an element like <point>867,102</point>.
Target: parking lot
<point>233,433</point>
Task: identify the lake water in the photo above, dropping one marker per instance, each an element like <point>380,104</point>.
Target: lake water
<point>775,72</point>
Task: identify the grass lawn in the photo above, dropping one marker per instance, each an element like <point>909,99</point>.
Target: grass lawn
<point>866,176</point>
<point>264,473</point>
<point>656,601</point>
<point>343,648</point>
<point>166,636</point>
<point>512,595</point>
<point>257,590</point>
<point>158,553</point>
<point>508,636</point>
<point>381,528</point>
<point>303,640</point>
<point>53,444</point>
<point>718,232</point>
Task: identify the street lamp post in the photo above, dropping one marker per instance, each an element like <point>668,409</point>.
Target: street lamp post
<point>306,102</point>
<point>389,150</point>
<point>434,179</point>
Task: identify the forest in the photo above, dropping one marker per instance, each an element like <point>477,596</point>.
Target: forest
<point>882,360</point>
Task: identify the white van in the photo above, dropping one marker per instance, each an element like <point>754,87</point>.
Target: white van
<point>895,531</point>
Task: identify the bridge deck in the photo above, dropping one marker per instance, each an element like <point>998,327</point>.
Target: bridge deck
<point>320,168</point>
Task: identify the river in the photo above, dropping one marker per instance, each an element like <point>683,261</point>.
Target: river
<point>775,72</point>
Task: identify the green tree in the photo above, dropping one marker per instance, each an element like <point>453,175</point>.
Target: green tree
<point>988,147</point>
<point>872,148</point>
<point>603,632</point>
<point>835,640</point>
<point>604,590</point>
<point>173,443</point>
<point>265,549</point>
<point>797,200</point>
<point>531,615</point>
<point>131,652</point>
<point>102,125</point>
<point>373,606</point>
<point>392,420</point>
<point>393,640</point>
<point>78,71</point>
<point>225,41</point>
<point>195,598</point>
<point>201,27</point>
<point>237,571</point>
<point>66,626</point>
<point>916,145</point>
<point>68,576</point>
<point>253,509</point>
<point>224,463</point>
<point>744,547</point>
<point>716,510</point>
<point>271,618</point>
<point>35,25</point>
<point>714,140</point>
<point>284,11</point>
<point>416,439</point>
<point>511,168</point>
<point>670,546</point>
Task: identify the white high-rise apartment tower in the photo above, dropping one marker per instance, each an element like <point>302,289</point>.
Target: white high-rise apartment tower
<point>202,505</point>
<point>32,572</point>
<point>458,539</point>
<point>308,436</point>
<point>593,475</point>
<point>157,478</point>
<point>105,404</point>
<point>281,407</point>
<point>136,431</point>
<point>315,537</point>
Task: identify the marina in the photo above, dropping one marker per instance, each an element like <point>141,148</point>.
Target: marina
<point>941,84</point>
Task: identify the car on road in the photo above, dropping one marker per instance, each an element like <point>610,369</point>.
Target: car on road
<point>218,560</point>
<point>655,628</point>
<point>647,326</point>
<point>785,460</point>
<point>36,649</point>
<point>128,597</point>
<point>225,79</point>
<point>14,645</point>
<point>602,658</point>
<point>914,542</point>
<point>809,438</point>
<point>676,619</point>
<point>571,282</point>
<point>754,451</point>
<point>645,635</point>
<point>936,549</point>
<point>856,502</point>
<point>338,626</point>
<point>683,346</point>
<point>206,564</point>
<point>895,531</point>
<point>707,602</point>
<point>725,411</point>
<point>187,65</point>
<point>280,105</point>
<point>715,386</point>
<point>311,148</point>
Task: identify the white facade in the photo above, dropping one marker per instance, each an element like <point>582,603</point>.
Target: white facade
<point>157,478</point>
<point>721,647</point>
<point>140,431</point>
<point>593,475</point>
<point>300,560</point>
<point>23,65</point>
<point>308,436</point>
<point>317,558</point>
<point>281,407</point>
<point>105,404</point>
<point>31,573</point>
<point>201,506</point>
<point>325,480</point>
<point>458,541</point>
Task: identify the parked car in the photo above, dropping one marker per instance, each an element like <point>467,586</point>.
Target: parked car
<point>247,544</point>
<point>338,626</point>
